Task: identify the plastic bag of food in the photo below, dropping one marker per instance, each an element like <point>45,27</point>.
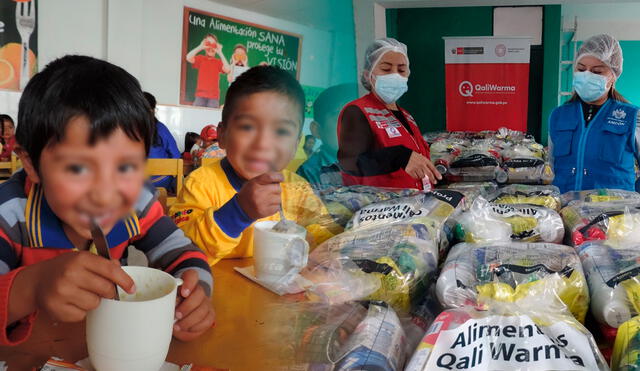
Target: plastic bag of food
<point>613,275</point>
<point>443,160</point>
<point>512,272</point>
<point>513,135</point>
<point>479,162</point>
<point>486,222</point>
<point>343,202</point>
<point>366,335</point>
<point>626,350</point>
<point>378,343</point>
<point>472,190</point>
<point>599,195</point>
<point>311,336</point>
<point>431,209</point>
<point>507,336</point>
<point>448,144</point>
<point>525,164</point>
<point>390,263</point>
<point>618,222</point>
<point>542,195</point>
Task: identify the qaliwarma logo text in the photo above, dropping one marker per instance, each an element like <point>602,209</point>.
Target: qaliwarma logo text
<point>467,89</point>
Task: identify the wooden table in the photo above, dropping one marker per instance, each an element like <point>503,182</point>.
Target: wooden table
<point>238,342</point>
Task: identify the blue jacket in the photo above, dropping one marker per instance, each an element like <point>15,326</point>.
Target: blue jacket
<point>598,155</point>
<point>321,169</point>
<point>167,148</point>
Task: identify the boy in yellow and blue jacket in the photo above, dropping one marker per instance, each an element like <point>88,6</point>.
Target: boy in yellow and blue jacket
<point>260,130</point>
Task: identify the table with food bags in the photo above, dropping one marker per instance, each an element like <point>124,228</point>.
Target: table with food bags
<point>492,270</point>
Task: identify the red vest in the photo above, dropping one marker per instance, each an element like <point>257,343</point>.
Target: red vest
<point>388,131</point>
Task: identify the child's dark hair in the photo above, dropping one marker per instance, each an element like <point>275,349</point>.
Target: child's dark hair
<point>155,138</point>
<point>189,140</point>
<point>307,137</point>
<point>4,118</point>
<point>261,79</point>
<point>77,85</point>
<point>151,99</point>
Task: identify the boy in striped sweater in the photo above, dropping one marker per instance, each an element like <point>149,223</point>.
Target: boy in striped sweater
<point>83,137</point>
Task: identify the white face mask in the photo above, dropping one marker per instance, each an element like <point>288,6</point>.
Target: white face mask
<point>390,87</point>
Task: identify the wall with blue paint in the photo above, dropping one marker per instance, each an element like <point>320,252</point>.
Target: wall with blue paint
<point>619,20</point>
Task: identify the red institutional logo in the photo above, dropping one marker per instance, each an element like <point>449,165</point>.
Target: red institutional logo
<point>501,50</point>
<point>465,89</point>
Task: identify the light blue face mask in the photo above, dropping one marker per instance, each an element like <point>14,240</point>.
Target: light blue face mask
<point>589,86</point>
<point>390,87</point>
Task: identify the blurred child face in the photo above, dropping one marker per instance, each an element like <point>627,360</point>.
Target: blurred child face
<point>240,55</point>
<point>80,180</point>
<point>7,129</point>
<point>262,133</point>
<point>309,144</point>
<point>210,46</point>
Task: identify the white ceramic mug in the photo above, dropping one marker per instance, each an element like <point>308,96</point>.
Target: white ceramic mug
<point>135,332</point>
<point>278,256</point>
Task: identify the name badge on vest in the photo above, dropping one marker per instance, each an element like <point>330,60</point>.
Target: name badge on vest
<point>394,123</point>
<point>393,132</point>
<point>381,124</point>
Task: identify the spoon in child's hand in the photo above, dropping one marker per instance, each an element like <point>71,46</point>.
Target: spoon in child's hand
<point>283,226</point>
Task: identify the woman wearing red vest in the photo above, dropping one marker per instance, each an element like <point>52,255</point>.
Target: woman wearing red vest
<point>380,144</point>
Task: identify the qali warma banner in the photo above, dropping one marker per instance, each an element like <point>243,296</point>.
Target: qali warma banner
<point>487,82</point>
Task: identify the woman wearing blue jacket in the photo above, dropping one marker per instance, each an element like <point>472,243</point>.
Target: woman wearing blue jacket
<point>593,138</point>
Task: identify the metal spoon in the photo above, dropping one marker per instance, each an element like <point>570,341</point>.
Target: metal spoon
<point>284,225</point>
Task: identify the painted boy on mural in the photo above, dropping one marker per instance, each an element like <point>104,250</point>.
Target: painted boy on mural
<point>209,69</point>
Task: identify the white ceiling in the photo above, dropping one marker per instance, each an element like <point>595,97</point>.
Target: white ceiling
<point>337,15</point>
<point>447,3</point>
<point>328,15</point>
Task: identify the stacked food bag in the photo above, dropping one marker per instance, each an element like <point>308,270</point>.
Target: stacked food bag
<point>526,163</point>
<point>626,351</point>
<point>472,190</point>
<point>342,202</point>
<point>599,195</point>
<point>544,195</point>
<point>512,272</point>
<point>615,221</point>
<point>524,213</point>
<point>505,156</point>
<point>508,336</point>
<point>389,252</point>
<point>613,274</point>
<point>364,335</point>
<point>485,222</point>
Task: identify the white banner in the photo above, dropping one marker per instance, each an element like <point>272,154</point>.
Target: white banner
<point>486,50</point>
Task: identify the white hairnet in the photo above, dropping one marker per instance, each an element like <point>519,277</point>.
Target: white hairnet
<point>606,48</point>
<point>374,53</point>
